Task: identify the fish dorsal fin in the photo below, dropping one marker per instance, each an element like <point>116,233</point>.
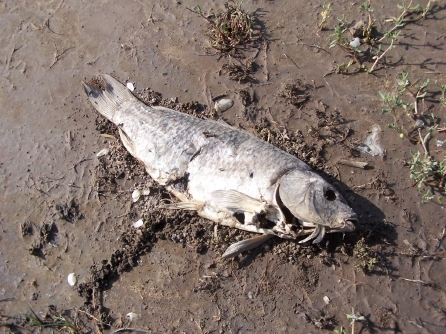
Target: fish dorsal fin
<point>245,245</point>
<point>236,201</point>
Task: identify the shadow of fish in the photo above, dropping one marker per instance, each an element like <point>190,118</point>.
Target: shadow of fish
<point>227,175</point>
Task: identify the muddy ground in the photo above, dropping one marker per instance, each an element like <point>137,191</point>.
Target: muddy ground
<point>64,210</point>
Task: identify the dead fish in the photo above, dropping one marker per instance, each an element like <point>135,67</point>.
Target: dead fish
<point>225,174</point>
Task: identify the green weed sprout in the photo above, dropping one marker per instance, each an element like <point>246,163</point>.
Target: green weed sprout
<point>326,9</point>
<point>354,317</point>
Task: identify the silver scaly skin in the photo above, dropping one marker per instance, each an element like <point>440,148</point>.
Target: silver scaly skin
<point>219,171</point>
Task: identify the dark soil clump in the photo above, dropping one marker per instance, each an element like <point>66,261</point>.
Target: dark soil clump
<point>69,212</point>
<point>296,94</point>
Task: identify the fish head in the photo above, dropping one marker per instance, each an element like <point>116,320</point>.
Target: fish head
<point>313,200</point>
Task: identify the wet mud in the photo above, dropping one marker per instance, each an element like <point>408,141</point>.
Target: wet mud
<point>65,209</point>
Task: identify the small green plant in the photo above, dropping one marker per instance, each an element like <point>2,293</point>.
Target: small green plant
<point>408,10</point>
<point>338,39</point>
<point>365,257</point>
<point>378,55</point>
<point>394,102</point>
<point>367,31</point>
<point>229,29</point>
<point>354,318</point>
<point>428,174</point>
<point>341,330</point>
<point>53,321</point>
<point>342,68</point>
<point>364,34</point>
<point>443,94</point>
<point>326,9</point>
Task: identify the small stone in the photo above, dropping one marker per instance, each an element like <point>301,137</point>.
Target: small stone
<point>223,105</point>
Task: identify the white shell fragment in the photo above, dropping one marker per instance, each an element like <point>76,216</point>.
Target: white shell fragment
<point>326,300</point>
<point>355,42</point>
<point>131,316</point>
<point>371,144</point>
<point>145,192</point>
<point>136,194</point>
<point>130,86</point>
<point>138,223</point>
<point>72,279</point>
<point>223,105</point>
<point>102,152</point>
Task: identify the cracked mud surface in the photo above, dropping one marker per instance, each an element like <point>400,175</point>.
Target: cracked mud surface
<point>64,210</point>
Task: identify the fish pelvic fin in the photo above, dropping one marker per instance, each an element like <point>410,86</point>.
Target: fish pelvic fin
<point>127,141</point>
<point>193,206</point>
<point>245,245</point>
<point>110,100</point>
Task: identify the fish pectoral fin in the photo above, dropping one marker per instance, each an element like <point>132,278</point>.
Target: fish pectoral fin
<point>245,245</point>
<point>236,201</point>
<point>128,143</point>
<point>193,206</point>
<point>320,236</point>
<point>315,233</point>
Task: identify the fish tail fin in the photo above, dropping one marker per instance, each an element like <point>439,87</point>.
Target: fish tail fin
<point>110,100</point>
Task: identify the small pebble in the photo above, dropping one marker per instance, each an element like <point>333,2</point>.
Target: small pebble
<point>223,105</point>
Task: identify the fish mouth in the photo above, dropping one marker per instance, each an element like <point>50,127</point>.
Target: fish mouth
<point>349,225</point>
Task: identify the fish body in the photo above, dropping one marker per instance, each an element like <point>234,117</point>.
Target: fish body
<point>220,171</point>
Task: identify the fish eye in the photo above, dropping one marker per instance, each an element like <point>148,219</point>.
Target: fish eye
<point>330,195</point>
